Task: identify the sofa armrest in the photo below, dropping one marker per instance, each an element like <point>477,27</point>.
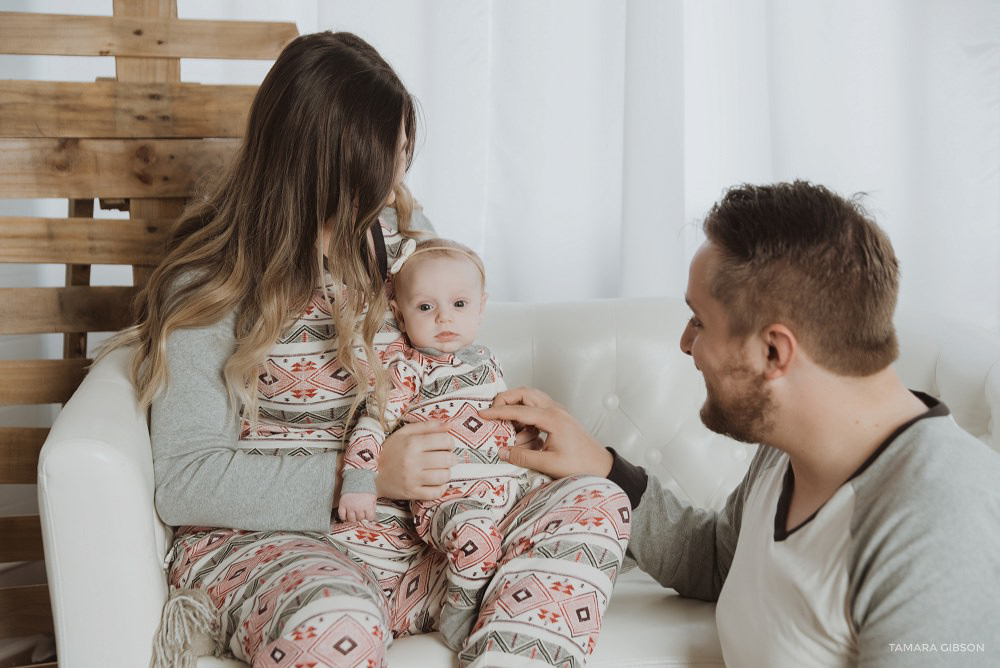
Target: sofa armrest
<point>106,579</point>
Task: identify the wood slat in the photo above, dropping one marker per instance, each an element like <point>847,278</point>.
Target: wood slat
<point>75,343</point>
<point>82,240</point>
<point>40,381</point>
<point>80,308</point>
<point>25,611</point>
<point>123,110</point>
<point>156,69</point>
<point>146,37</point>
<point>22,539</point>
<point>19,448</point>
<point>82,168</point>
<point>148,70</point>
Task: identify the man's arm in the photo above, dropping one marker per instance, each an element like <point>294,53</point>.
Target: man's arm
<point>684,547</point>
<point>687,548</point>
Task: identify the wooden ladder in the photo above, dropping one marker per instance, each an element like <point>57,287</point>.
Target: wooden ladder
<point>139,143</point>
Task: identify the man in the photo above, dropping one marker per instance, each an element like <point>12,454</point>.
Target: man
<point>868,522</point>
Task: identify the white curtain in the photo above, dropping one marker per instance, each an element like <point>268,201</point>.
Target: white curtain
<point>577,143</point>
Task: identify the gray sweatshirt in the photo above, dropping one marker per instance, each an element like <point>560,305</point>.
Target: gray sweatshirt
<point>901,567</point>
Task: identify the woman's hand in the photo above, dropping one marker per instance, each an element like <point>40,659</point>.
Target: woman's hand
<point>567,448</point>
<point>415,462</point>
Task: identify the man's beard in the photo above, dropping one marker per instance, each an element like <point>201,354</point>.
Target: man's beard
<point>744,412</point>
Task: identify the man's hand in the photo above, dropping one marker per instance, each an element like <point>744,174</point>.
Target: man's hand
<point>415,462</point>
<point>567,449</point>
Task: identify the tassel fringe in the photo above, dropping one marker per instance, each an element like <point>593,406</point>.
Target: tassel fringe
<point>189,628</point>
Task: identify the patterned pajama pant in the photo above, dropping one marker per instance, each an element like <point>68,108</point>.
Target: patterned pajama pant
<point>337,599</point>
<point>464,524</point>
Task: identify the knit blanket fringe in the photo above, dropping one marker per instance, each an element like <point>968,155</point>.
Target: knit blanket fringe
<point>189,628</point>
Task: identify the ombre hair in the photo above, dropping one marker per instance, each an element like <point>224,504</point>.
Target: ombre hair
<point>320,153</point>
<point>800,254</point>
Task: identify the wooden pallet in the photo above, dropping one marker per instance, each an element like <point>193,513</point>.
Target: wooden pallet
<point>140,142</point>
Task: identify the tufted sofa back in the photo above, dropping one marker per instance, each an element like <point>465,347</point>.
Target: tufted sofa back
<point>616,365</point>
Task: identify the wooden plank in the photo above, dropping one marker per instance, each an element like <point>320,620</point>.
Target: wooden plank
<point>82,168</point>
<point>22,539</point>
<point>40,381</point>
<point>82,240</point>
<point>122,110</point>
<point>148,70</point>
<point>25,611</point>
<point>75,343</point>
<point>19,448</point>
<point>144,37</point>
<point>79,308</point>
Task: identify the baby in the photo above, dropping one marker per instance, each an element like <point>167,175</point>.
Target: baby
<point>442,374</point>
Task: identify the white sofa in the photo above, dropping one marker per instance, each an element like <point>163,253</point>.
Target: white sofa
<point>614,363</point>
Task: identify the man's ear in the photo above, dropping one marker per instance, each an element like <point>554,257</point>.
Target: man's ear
<point>398,315</point>
<point>781,346</point>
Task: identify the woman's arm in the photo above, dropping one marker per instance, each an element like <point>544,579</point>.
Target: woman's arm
<point>202,478</point>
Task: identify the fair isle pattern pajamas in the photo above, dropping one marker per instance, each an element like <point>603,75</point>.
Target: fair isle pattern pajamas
<point>463,524</point>
<point>336,599</point>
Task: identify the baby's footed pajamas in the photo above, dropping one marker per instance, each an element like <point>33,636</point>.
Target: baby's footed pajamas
<point>464,522</point>
<point>337,598</point>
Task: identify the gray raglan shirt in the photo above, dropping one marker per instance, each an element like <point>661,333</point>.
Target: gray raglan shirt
<point>901,567</point>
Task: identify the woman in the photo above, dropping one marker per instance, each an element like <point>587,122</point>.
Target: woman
<point>258,338</point>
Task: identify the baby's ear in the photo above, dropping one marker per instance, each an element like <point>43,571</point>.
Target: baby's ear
<point>482,302</point>
<point>398,315</point>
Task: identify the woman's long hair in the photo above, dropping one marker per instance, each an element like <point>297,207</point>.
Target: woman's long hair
<point>321,151</point>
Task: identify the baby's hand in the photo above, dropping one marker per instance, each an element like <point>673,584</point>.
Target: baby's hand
<point>356,506</point>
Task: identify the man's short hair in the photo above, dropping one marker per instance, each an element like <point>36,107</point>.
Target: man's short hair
<point>799,254</point>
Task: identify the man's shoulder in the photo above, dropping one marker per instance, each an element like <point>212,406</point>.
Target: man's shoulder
<point>934,455</point>
<point>924,514</point>
<point>934,480</point>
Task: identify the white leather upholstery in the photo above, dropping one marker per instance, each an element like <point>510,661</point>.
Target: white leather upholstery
<point>614,363</point>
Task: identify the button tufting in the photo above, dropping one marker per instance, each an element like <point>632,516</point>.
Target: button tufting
<point>654,456</point>
<point>611,402</point>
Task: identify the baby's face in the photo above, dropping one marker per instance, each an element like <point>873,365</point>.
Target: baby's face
<point>439,302</point>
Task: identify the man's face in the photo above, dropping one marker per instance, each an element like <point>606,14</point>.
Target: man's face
<point>738,403</point>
